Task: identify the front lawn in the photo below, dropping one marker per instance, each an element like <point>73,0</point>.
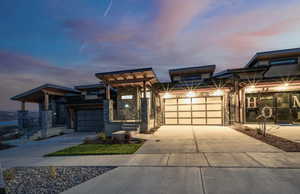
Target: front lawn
<point>98,149</point>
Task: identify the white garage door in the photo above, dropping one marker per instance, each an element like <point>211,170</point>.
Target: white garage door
<point>194,111</point>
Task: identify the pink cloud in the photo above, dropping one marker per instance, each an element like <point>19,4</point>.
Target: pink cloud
<point>175,15</point>
<point>20,73</point>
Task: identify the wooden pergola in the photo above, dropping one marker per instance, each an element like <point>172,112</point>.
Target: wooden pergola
<point>41,95</point>
<point>133,78</point>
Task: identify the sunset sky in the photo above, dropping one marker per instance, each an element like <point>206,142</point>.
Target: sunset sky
<point>66,42</point>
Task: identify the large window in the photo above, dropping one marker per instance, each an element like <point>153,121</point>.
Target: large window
<point>285,106</point>
<point>284,61</point>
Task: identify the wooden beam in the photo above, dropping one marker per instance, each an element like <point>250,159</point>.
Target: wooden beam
<point>53,92</point>
<point>139,80</point>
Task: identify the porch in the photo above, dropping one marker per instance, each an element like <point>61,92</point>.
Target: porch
<point>134,107</point>
<point>52,113</point>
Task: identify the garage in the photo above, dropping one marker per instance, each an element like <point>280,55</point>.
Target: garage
<point>90,120</point>
<point>193,111</point>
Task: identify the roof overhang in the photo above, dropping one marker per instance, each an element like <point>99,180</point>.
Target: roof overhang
<point>273,55</point>
<point>193,70</point>
<point>36,95</point>
<point>134,77</point>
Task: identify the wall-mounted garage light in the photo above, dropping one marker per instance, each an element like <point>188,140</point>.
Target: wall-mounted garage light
<point>167,95</point>
<point>191,94</point>
<point>218,92</point>
<point>250,88</point>
<point>283,87</point>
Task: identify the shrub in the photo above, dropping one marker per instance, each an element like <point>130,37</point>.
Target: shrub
<point>101,136</point>
<point>52,171</point>
<point>9,174</point>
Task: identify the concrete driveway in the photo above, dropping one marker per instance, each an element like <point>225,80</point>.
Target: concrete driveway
<point>32,152</point>
<point>206,139</point>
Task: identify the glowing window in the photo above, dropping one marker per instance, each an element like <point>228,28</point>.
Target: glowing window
<point>127,97</point>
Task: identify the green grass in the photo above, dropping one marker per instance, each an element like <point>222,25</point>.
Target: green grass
<point>97,149</point>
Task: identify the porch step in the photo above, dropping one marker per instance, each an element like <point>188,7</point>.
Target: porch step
<point>130,127</point>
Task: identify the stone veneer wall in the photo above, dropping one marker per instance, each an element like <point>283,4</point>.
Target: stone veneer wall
<point>145,114</point>
<point>131,112</point>
<point>109,125</point>
<point>46,122</point>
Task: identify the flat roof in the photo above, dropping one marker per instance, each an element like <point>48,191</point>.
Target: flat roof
<point>274,53</point>
<point>196,69</point>
<point>89,86</point>
<point>240,70</point>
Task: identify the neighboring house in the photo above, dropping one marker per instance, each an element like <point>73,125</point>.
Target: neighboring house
<point>135,100</point>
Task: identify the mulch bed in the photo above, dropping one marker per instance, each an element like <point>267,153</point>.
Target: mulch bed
<point>279,142</point>
<point>48,180</point>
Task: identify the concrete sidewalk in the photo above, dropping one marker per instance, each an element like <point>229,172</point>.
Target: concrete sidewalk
<point>241,160</point>
<point>190,180</point>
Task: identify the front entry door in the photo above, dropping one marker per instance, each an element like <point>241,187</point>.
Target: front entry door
<point>283,111</point>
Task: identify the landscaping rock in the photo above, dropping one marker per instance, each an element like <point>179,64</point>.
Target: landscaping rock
<point>49,180</point>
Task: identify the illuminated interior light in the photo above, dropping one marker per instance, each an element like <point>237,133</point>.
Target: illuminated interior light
<point>190,94</point>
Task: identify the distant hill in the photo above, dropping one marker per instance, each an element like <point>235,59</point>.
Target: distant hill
<point>8,115</point>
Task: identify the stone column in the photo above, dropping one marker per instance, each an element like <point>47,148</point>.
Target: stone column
<point>145,116</point>
<point>46,122</point>
<point>107,116</point>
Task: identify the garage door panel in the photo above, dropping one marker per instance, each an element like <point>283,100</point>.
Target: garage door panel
<point>170,101</point>
<point>171,108</point>
<point>171,121</point>
<point>214,107</point>
<point>170,114</point>
<point>198,100</point>
<point>214,121</point>
<point>184,108</point>
<point>184,101</point>
<point>199,107</point>
<point>185,121</point>
<point>214,114</point>
<point>184,114</point>
<point>199,114</point>
<point>199,121</point>
<point>214,100</point>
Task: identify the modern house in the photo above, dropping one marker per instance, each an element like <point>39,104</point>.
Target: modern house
<point>268,87</point>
